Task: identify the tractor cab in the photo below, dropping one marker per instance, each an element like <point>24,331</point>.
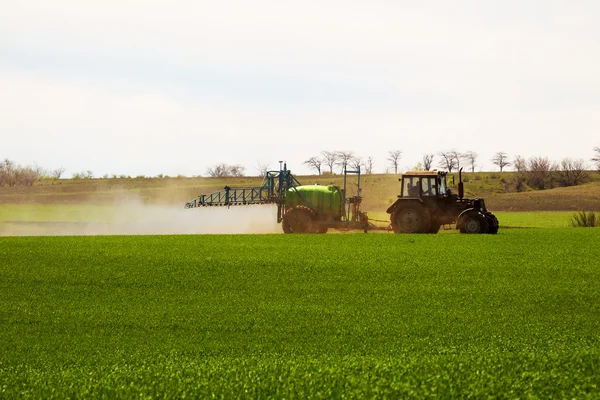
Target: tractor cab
<point>417,184</point>
<point>426,203</point>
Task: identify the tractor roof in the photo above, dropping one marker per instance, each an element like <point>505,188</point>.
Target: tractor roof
<point>424,173</point>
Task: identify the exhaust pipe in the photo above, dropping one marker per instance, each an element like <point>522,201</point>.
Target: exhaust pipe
<point>461,188</point>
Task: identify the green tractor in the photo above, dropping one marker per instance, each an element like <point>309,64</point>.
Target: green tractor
<point>426,203</point>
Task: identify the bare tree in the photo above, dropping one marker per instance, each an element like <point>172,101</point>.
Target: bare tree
<point>2,173</point>
<point>314,163</point>
<point>471,158</point>
<point>57,173</point>
<point>262,168</point>
<point>539,172</point>
<point>225,170</point>
<point>448,160</point>
<point>501,160</point>
<point>596,158</point>
<point>369,165</point>
<point>394,158</point>
<point>520,164</point>
<point>8,172</point>
<point>427,161</point>
<point>330,159</point>
<point>27,175</point>
<point>572,172</point>
<point>218,171</point>
<point>456,156</point>
<point>236,170</point>
<point>343,159</point>
<point>355,163</point>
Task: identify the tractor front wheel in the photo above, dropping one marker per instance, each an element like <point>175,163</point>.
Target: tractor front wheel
<point>492,223</point>
<point>411,220</point>
<point>299,220</point>
<point>473,223</point>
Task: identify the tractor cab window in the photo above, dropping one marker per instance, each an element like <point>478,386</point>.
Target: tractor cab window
<point>410,187</point>
<point>429,187</point>
<point>443,188</point>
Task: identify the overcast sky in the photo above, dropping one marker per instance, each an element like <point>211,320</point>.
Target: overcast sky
<point>148,87</point>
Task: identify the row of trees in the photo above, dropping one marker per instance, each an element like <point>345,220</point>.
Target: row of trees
<point>541,173</point>
<point>13,174</point>
<point>225,170</point>
<point>536,172</point>
<point>451,160</point>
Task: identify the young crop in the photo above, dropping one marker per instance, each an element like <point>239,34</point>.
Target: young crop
<point>297,316</point>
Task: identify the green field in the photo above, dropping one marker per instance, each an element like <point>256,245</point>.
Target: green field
<point>513,315</point>
<point>110,214</point>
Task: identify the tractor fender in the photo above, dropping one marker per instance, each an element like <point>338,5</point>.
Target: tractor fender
<point>461,217</point>
<point>392,208</point>
<point>404,202</point>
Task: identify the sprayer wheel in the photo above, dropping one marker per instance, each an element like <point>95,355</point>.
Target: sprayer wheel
<point>322,229</point>
<point>299,219</point>
<point>411,220</point>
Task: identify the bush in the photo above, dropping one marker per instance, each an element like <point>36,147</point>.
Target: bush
<point>584,219</point>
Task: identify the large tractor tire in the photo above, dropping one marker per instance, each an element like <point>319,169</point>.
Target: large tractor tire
<point>413,219</point>
<point>493,224</point>
<point>474,222</point>
<point>299,219</point>
<point>322,229</point>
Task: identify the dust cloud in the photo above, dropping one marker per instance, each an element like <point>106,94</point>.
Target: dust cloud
<point>136,218</point>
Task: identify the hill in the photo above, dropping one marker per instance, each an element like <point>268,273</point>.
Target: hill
<point>379,191</point>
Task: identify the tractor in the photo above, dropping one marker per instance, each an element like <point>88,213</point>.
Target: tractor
<point>426,203</point>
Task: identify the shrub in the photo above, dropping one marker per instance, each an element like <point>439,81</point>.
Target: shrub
<point>584,219</point>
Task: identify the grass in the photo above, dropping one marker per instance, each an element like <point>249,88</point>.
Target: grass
<point>538,219</point>
<point>57,212</point>
<point>512,315</point>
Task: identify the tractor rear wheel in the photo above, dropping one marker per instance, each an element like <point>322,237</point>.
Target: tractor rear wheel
<point>474,222</point>
<point>322,229</point>
<point>299,219</point>
<point>411,220</point>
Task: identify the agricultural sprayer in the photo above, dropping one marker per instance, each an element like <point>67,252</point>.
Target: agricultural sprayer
<point>424,204</point>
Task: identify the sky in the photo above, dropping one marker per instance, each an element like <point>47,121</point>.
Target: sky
<point>173,87</point>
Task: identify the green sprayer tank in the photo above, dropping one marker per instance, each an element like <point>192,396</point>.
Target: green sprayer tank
<point>325,200</point>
